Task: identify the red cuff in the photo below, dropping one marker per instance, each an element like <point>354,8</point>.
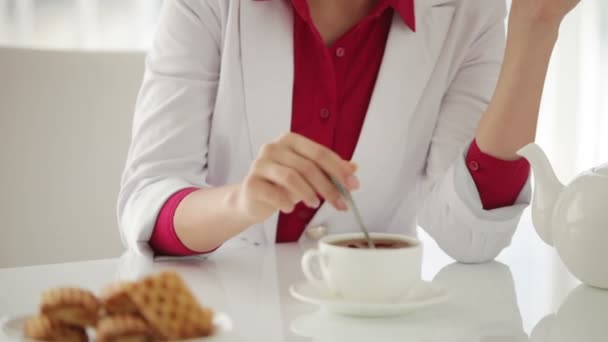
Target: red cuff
<point>164,240</point>
<point>498,181</point>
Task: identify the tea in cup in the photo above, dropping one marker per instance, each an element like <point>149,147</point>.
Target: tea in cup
<point>350,269</point>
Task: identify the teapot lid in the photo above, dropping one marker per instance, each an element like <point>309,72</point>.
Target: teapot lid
<point>601,170</point>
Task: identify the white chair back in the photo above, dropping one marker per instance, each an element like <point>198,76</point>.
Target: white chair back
<point>65,121</point>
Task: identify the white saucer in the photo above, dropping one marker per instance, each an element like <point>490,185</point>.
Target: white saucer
<point>12,328</point>
<point>425,294</point>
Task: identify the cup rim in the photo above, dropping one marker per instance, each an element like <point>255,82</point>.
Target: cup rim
<point>328,241</point>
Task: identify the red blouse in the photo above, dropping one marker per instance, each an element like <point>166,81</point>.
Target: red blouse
<point>331,93</point>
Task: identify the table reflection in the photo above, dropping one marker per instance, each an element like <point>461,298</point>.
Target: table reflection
<point>482,307</point>
<point>582,317</point>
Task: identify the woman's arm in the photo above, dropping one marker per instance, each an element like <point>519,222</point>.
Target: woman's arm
<point>290,170</point>
<point>169,146</point>
<point>511,119</point>
<point>172,120</point>
<point>452,212</point>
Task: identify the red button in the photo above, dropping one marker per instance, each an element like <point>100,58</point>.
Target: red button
<point>340,52</point>
<point>473,165</point>
<point>324,114</point>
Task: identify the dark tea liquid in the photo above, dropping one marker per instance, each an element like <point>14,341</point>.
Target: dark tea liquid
<point>380,243</point>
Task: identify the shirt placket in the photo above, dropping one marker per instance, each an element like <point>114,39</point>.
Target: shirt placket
<point>323,116</point>
<point>324,119</point>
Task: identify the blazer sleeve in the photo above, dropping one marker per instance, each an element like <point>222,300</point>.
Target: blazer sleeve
<point>452,212</point>
<point>172,118</point>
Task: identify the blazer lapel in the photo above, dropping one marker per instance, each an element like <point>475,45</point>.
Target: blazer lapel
<point>407,65</point>
<point>267,62</point>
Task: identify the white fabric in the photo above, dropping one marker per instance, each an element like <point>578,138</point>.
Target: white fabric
<point>218,85</point>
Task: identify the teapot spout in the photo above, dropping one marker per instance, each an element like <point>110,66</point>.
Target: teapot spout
<point>546,190</point>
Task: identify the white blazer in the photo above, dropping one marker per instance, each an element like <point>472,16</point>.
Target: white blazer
<point>218,85</point>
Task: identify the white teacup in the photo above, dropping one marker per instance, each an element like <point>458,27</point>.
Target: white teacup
<point>381,274</point>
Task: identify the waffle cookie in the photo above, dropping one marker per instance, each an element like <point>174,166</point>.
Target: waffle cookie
<point>43,328</point>
<point>71,306</point>
<point>124,327</point>
<point>115,299</point>
<point>169,307</point>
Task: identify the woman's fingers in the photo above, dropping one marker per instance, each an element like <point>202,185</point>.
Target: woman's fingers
<point>295,169</point>
<point>326,159</point>
<point>270,194</point>
<point>312,174</point>
<point>287,178</point>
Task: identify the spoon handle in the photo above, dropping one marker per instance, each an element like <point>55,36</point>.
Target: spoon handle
<point>357,214</point>
<point>353,207</point>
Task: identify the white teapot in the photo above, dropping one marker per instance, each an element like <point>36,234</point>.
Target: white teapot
<point>572,218</point>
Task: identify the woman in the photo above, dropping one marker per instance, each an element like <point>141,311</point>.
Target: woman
<point>249,107</point>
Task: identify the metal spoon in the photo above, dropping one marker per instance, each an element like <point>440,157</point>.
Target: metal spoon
<point>351,204</point>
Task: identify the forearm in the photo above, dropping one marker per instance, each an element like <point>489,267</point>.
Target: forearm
<point>291,170</point>
<point>511,118</point>
<point>207,218</point>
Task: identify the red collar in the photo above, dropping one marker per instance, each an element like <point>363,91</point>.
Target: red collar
<point>407,11</point>
<point>405,8</point>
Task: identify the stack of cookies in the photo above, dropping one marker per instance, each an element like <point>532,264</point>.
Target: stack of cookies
<point>157,308</point>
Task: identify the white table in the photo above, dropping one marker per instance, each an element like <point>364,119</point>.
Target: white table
<point>514,300</point>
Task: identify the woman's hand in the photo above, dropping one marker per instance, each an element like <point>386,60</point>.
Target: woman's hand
<point>290,170</point>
